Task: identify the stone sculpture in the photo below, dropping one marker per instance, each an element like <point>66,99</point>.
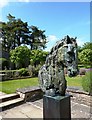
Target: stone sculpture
<point>51,75</point>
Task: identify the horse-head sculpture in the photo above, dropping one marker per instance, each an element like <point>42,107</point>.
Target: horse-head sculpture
<point>71,56</point>
<point>51,75</point>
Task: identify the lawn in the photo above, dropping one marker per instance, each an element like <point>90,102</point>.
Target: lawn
<point>74,81</point>
<point>10,86</point>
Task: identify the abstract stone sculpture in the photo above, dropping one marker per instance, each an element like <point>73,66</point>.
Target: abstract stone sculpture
<point>51,75</point>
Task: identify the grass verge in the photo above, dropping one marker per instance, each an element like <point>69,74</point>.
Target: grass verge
<point>10,86</point>
<point>74,81</point>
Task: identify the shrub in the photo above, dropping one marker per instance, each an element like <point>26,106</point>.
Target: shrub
<point>23,72</point>
<point>17,73</point>
<point>33,71</point>
<point>82,71</point>
<point>87,82</point>
<point>3,63</point>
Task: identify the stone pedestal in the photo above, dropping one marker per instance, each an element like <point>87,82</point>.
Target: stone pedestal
<point>58,107</point>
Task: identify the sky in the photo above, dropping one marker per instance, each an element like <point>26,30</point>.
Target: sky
<point>58,19</point>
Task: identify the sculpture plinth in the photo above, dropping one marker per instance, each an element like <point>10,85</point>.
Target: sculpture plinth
<point>58,107</point>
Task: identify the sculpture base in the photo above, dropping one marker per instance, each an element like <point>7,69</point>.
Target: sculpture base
<point>57,107</point>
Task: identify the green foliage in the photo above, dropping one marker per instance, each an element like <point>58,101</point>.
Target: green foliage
<point>10,86</point>
<point>20,56</point>
<point>15,32</point>
<point>74,81</point>
<point>4,63</point>
<point>33,71</point>
<point>87,45</point>
<point>85,56</point>
<point>87,82</point>
<point>38,38</point>
<point>23,72</point>
<point>37,57</point>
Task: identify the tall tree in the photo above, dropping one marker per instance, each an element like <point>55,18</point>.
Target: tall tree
<point>37,38</point>
<point>14,33</point>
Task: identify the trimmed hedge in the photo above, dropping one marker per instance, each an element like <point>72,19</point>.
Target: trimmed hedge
<point>23,72</point>
<point>16,74</point>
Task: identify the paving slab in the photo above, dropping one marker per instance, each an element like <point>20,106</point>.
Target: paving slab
<point>2,93</point>
<point>35,110</point>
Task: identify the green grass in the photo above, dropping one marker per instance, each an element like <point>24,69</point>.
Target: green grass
<point>10,86</point>
<point>74,81</point>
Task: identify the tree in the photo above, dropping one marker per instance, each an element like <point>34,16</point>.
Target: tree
<point>37,38</point>
<point>85,53</point>
<point>20,56</point>
<point>85,56</point>
<point>87,45</point>
<point>37,57</point>
<point>14,33</point>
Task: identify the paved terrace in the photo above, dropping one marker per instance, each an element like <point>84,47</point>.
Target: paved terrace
<point>35,110</point>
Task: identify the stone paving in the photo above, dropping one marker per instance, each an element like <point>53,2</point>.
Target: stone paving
<point>1,93</point>
<point>35,110</point>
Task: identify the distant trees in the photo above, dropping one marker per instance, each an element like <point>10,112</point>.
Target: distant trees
<point>16,35</point>
<point>85,54</point>
<point>37,57</point>
<point>15,32</point>
<point>87,45</point>
<point>20,56</point>
<point>37,38</point>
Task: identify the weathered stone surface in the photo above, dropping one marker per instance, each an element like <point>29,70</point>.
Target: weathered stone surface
<point>28,93</point>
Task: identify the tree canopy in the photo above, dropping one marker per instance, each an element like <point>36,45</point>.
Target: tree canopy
<point>20,56</point>
<point>85,54</point>
<point>15,32</point>
<point>37,57</point>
